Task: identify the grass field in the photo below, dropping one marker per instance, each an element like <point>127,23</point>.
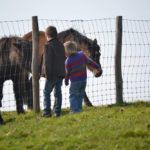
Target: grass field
<point>100,128</point>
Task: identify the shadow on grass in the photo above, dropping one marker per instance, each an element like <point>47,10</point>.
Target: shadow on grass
<point>65,112</point>
<point>10,120</point>
<point>135,104</point>
<point>137,134</point>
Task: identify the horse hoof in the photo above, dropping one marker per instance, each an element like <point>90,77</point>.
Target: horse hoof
<point>89,104</point>
<point>1,121</point>
<point>20,112</point>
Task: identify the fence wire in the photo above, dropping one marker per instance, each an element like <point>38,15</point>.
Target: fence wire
<point>101,91</point>
<point>136,60</point>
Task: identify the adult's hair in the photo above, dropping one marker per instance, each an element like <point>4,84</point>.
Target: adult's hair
<point>70,48</point>
<point>51,31</point>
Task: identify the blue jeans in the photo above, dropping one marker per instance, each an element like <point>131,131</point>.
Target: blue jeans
<point>49,86</point>
<point>77,90</point>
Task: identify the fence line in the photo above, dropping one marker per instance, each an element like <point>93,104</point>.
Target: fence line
<point>101,91</point>
<point>136,58</point>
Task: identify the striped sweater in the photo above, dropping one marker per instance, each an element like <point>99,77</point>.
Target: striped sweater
<point>76,67</point>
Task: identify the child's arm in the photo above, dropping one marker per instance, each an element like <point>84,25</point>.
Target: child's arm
<point>93,66</point>
<point>91,63</point>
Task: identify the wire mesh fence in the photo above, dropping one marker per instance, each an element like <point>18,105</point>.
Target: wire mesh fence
<point>135,60</point>
<point>101,91</point>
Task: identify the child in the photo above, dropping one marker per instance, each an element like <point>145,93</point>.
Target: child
<point>75,66</point>
<point>54,71</point>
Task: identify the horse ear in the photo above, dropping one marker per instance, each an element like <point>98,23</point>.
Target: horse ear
<point>71,30</point>
<point>95,41</point>
<point>18,45</point>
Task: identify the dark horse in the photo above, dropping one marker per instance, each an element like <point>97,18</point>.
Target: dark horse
<point>13,66</point>
<point>88,46</point>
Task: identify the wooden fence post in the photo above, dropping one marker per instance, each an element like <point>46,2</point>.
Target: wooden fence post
<point>118,51</point>
<point>35,71</point>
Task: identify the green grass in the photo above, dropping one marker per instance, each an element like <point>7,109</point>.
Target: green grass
<point>100,128</point>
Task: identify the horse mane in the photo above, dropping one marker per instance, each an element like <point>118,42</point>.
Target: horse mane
<point>77,36</point>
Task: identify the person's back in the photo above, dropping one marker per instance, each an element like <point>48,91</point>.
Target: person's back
<point>76,65</point>
<point>54,59</point>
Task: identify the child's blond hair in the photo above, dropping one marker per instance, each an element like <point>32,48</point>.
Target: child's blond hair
<point>70,48</point>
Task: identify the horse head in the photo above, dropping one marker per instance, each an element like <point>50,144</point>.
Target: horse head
<point>95,54</point>
<point>94,49</point>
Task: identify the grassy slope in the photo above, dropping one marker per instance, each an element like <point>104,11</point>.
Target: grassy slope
<point>101,128</point>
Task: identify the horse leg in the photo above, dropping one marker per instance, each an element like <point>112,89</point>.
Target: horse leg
<point>1,119</point>
<point>1,91</point>
<point>87,101</point>
<point>1,96</point>
<point>54,104</point>
<point>18,91</point>
<point>28,85</point>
